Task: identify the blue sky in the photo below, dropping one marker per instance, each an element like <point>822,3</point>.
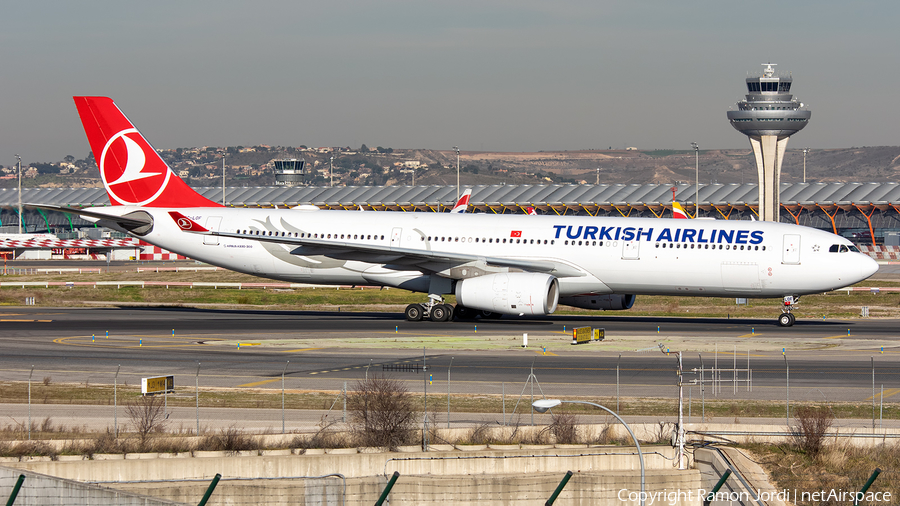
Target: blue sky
<point>495,76</point>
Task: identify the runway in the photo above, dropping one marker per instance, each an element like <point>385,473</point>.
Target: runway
<point>822,360</point>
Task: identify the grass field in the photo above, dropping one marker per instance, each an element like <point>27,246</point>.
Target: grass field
<point>838,304</point>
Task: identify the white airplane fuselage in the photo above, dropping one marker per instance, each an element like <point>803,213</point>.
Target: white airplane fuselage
<point>604,255</point>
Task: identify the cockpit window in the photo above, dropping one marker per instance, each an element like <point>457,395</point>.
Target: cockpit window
<point>834,248</point>
<point>854,249</point>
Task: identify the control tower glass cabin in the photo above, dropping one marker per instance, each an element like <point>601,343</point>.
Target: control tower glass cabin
<point>289,172</point>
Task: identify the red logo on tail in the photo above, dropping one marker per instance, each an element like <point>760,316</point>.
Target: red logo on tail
<point>132,171</point>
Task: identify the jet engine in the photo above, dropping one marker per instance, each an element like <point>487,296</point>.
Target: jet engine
<point>609,301</point>
<point>514,293</point>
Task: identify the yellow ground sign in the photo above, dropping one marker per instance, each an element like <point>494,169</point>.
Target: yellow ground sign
<point>157,385</point>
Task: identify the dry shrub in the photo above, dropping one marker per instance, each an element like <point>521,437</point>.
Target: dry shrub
<point>663,433</point>
<point>812,424</point>
<point>382,413</point>
<point>324,437</point>
<point>564,428</point>
<point>147,414</point>
<point>230,439</point>
<point>479,434</point>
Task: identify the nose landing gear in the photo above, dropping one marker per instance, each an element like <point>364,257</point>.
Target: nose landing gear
<point>787,318</point>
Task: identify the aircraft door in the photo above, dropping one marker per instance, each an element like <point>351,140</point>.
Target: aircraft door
<point>395,237</point>
<point>631,250</point>
<point>791,249</point>
<point>212,223</point>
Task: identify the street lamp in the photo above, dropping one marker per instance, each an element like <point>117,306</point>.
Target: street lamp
<point>457,172</point>
<point>543,405</point>
<point>805,151</point>
<point>19,171</point>
<point>598,176</point>
<point>331,171</point>
<point>697,178</point>
<point>223,179</point>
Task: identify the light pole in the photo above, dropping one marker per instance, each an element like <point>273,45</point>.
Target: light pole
<point>697,178</point>
<point>19,171</point>
<point>223,179</point>
<point>805,151</point>
<point>457,172</point>
<point>448,391</point>
<point>542,405</point>
<point>331,171</point>
<point>598,176</point>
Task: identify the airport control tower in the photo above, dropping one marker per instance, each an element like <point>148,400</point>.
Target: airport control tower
<point>768,116</point>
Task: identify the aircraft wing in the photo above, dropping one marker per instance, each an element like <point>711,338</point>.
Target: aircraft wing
<point>425,260</point>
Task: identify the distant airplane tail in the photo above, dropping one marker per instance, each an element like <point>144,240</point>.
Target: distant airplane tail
<point>678,211</point>
<point>463,202</point>
<point>531,211</point>
<point>132,171</point>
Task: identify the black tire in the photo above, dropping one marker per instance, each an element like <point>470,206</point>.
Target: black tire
<point>785,320</point>
<point>461,312</point>
<point>450,311</point>
<point>489,315</point>
<point>414,312</point>
<point>440,313</point>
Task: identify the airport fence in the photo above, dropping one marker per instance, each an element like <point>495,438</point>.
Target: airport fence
<point>41,404</point>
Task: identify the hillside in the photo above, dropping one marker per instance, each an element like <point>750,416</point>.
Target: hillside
<point>252,167</point>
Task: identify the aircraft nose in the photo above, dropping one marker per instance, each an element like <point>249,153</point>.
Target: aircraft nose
<point>867,266</point>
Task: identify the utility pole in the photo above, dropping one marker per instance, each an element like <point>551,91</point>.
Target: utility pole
<point>598,176</point>
<point>19,171</point>
<point>805,151</point>
<point>697,179</point>
<point>223,179</point>
<point>331,171</point>
<point>457,172</point>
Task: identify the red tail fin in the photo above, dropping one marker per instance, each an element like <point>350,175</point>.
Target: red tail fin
<point>132,171</point>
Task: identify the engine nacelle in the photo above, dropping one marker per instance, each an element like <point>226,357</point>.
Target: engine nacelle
<point>609,301</point>
<point>514,293</point>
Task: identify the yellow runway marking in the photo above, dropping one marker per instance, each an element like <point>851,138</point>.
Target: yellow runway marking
<point>548,353</point>
<point>837,337</point>
<point>749,335</point>
<point>887,393</point>
<point>25,321</point>
<point>260,383</point>
<point>302,349</point>
<point>132,342</point>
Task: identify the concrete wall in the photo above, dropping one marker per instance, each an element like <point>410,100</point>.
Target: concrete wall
<point>491,477</point>
<point>41,490</point>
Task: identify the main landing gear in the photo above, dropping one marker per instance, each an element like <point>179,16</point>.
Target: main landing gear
<point>436,311</point>
<point>787,317</point>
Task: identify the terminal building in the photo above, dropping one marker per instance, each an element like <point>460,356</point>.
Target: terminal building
<point>866,213</point>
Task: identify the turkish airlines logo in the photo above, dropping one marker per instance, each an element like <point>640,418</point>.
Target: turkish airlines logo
<point>185,224</point>
<point>126,176</point>
<point>515,233</point>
